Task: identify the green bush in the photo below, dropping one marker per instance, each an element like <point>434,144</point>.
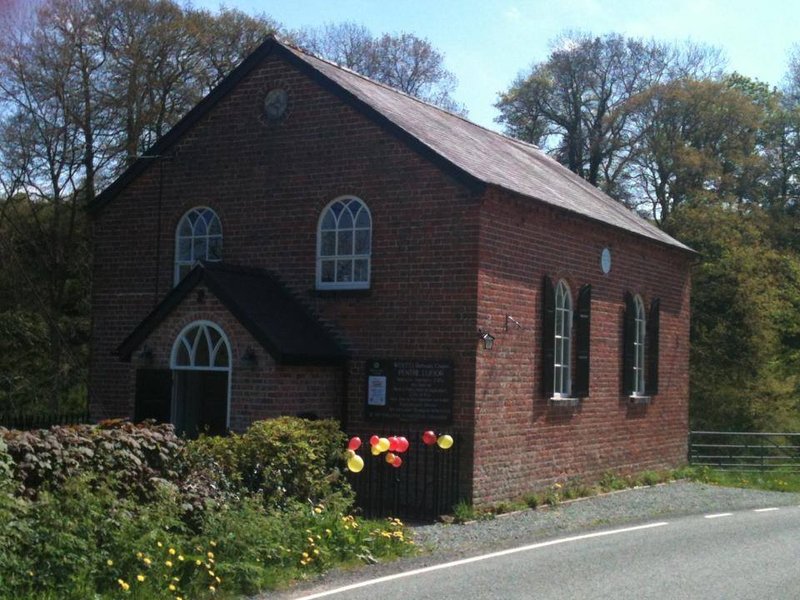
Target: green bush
<point>281,460</point>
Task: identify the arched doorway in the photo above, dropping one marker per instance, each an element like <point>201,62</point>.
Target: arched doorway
<point>201,365</point>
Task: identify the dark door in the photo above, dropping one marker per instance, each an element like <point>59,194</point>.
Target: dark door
<point>153,395</point>
<point>201,402</point>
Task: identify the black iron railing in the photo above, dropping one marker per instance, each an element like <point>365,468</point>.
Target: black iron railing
<point>745,451</point>
<point>423,488</point>
<point>42,421</point>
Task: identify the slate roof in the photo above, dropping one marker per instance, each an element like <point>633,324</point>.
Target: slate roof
<point>258,300</point>
<point>473,154</point>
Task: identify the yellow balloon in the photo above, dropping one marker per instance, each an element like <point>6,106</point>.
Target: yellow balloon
<point>445,442</point>
<point>383,444</point>
<point>375,451</point>
<point>355,464</point>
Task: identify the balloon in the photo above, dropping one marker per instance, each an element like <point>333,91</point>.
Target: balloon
<point>429,438</point>
<point>402,444</point>
<point>355,464</point>
<point>445,442</point>
<point>390,457</point>
<point>383,444</point>
<point>397,462</point>
<point>375,450</point>
<point>392,443</point>
<point>354,443</point>
<point>373,441</point>
<point>350,453</point>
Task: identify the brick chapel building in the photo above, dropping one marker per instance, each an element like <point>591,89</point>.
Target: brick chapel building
<point>309,242</point>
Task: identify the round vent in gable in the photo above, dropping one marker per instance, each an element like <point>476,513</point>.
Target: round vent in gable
<point>275,104</point>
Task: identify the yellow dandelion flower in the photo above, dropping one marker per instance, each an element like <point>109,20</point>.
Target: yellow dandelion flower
<point>210,554</point>
<point>172,551</point>
<point>110,562</point>
<point>328,532</point>
<point>172,587</point>
<point>198,562</point>
<point>211,573</point>
<point>159,544</point>
<point>140,578</point>
<point>139,555</point>
<point>310,540</point>
<point>168,563</point>
<point>147,561</point>
<point>30,573</point>
<point>178,598</point>
<point>180,556</point>
<point>218,580</point>
<point>212,589</point>
<point>316,550</point>
<point>213,543</point>
<point>317,510</point>
<point>123,584</point>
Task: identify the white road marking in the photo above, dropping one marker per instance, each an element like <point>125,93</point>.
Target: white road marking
<point>466,561</point>
<point>764,509</point>
<point>718,515</point>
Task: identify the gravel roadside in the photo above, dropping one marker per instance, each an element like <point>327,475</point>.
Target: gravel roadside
<point>443,543</point>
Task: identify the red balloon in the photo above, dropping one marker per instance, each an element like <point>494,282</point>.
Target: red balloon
<point>429,438</point>
<point>354,443</point>
<point>402,444</point>
<point>392,443</point>
<point>397,462</point>
<point>373,441</point>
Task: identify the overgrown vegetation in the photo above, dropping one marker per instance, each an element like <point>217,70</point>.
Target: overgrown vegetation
<point>776,480</point>
<point>122,510</point>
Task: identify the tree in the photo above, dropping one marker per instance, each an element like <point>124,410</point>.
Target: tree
<point>403,61</point>
<point>698,141</point>
<point>576,103</point>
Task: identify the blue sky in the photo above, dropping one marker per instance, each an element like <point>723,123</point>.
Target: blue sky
<point>488,42</point>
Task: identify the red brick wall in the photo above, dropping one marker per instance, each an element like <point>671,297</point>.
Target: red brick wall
<point>269,184</point>
<point>521,441</point>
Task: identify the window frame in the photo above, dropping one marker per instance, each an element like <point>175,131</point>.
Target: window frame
<point>562,342</point>
<point>179,263</point>
<point>351,257</point>
<point>639,348</point>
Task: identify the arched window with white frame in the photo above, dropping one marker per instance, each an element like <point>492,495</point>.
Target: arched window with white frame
<point>562,381</point>
<point>198,237</point>
<point>344,245</point>
<point>639,346</point>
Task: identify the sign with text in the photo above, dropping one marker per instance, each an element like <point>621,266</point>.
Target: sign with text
<point>410,390</point>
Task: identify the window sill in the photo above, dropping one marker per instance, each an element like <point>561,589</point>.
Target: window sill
<point>563,401</point>
<point>342,293</point>
<point>636,399</point>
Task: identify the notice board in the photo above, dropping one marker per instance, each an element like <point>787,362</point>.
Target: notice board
<point>410,390</point>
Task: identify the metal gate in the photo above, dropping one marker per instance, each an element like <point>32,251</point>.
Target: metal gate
<point>423,488</point>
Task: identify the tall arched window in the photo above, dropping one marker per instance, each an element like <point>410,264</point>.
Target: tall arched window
<point>562,381</point>
<point>201,367</point>
<point>344,245</point>
<point>638,347</point>
<point>198,237</point>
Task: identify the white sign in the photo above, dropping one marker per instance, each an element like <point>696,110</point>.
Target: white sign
<point>376,395</point>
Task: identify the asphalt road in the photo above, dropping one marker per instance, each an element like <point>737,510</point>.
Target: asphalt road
<point>752,554</point>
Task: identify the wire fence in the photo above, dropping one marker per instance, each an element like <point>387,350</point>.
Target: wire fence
<point>42,421</point>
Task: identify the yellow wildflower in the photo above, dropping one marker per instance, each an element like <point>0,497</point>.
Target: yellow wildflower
<point>212,589</point>
<point>317,510</point>
<point>198,562</point>
<point>211,573</point>
<point>210,554</point>
<point>172,551</point>
<point>172,587</point>
<point>168,563</point>
<point>123,584</point>
<point>180,556</point>
<point>139,555</point>
<point>305,554</point>
<point>213,543</point>
<point>110,562</point>
<point>159,544</point>
<point>140,578</point>
<point>218,580</point>
<point>147,561</point>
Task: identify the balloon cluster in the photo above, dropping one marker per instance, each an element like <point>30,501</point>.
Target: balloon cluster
<point>393,446</point>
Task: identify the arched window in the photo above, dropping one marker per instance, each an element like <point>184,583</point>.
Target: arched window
<point>562,382</point>
<point>344,245</point>
<point>198,237</point>
<point>638,347</point>
<point>201,345</point>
